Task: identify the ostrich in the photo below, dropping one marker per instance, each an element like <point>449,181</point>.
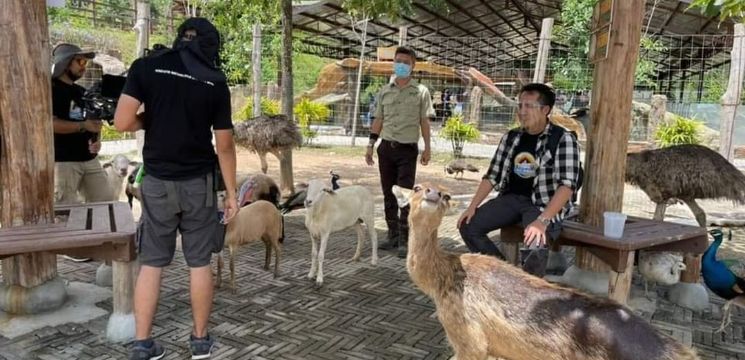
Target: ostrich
<point>686,172</point>
<point>267,134</point>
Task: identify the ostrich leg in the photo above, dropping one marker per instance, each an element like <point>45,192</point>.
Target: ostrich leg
<point>264,165</point>
<point>698,212</point>
<point>659,211</point>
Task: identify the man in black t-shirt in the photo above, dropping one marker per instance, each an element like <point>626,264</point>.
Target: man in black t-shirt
<point>535,184</point>
<point>76,140</point>
<point>186,99</point>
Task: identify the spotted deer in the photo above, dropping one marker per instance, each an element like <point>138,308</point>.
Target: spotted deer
<point>491,308</point>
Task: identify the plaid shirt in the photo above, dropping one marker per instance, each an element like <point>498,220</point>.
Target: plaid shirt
<point>552,173</point>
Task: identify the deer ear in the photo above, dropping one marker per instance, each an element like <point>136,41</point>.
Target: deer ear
<point>402,195</point>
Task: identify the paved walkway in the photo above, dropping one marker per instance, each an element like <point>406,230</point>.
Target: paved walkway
<point>362,312</point>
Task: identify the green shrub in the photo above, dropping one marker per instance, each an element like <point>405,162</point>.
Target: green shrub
<point>268,107</point>
<point>458,133</point>
<point>108,133</point>
<point>309,112</point>
<point>680,131</point>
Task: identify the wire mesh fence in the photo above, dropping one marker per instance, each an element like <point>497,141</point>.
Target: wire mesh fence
<point>479,78</point>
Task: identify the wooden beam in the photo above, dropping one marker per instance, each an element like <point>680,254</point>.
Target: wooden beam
<point>527,16</point>
<point>543,48</point>
<point>504,19</point>
<point>669,17</point>
<point>613,86</point>
<point>477,20</point>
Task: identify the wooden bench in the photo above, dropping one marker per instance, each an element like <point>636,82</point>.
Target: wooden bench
<point>618,254</point>
<point>102,231</point>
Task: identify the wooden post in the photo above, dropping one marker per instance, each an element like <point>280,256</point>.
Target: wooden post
<point>474,106</point>
<point>613,85</point>
<point>544,46</point>
<point>256,63</point>
<point>285,163</point>
<point>692,273</point>
<point>121,325</point>
<point>731,97</point>
<point>619,284</point>
<point>142,28</point>
<point>402,33</point>
<point>26,142</point>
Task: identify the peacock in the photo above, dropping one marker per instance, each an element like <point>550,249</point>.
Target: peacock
<point>459,166</point>
<point>721,280</point>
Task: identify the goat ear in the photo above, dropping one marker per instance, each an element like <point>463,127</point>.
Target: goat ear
<point>681,266</point>
<point>134,163</point>
<point>330,191</point>
<point>402,195</point>
<point>105,165</point>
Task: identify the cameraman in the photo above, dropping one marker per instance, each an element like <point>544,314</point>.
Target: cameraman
<point>186,100</point>
<point>76,140</point>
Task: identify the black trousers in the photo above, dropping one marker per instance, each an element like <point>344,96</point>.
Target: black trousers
<point>502,211</point>
<point>397,165</point>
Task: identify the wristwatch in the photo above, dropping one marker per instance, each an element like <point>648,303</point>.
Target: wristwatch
<point>81,126</point>
<point>543,220</point>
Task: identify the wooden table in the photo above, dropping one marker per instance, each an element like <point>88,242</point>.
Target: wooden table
<point>102,231</point>
<point>618,254</point>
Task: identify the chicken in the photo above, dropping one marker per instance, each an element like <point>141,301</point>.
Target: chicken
<point>660,267</point>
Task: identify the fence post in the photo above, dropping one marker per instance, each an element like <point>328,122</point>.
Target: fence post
<point>731,97</point>
<point>256,60</point>
<point>355,112</point>
<point>544,46</point>
<point>142,28</point>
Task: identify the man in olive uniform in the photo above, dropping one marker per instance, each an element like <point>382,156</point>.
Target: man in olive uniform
<point>403,110</point>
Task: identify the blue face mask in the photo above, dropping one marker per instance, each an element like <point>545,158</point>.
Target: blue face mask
<point>401,70</point>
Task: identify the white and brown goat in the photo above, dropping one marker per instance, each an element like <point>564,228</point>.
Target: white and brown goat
<point>491,308</point>
<point>259,220</point>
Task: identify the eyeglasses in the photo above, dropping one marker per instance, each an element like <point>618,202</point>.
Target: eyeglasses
<point>529,105</point>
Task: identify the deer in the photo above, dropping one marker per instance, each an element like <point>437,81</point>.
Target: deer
<point>488,307</point>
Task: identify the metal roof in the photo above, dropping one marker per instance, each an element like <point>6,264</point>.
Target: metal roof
<point>482,33</point>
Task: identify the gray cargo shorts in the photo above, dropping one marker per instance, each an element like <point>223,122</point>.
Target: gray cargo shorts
<point>184,205</point>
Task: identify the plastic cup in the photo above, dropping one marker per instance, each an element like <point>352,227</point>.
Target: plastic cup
<point>613,224</point>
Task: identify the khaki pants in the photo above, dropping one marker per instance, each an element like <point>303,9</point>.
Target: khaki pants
<point>85,178</point>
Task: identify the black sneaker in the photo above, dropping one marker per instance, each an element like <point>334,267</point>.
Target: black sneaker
<point>142,352</point>
<point>201,348</point>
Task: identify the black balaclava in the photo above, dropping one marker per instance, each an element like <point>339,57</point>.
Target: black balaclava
<point>200,54</point>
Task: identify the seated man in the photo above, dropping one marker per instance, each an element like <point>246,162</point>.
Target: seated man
<point>536,183</point>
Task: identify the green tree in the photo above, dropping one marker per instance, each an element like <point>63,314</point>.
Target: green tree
<point>646,69</point>
<point>392,9</point>
<point>571,71</point>
<point>727,9</point>
<point>235,19</point>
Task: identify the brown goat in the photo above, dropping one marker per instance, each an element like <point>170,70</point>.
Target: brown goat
<point>259,220</point>
<point>491,308</point>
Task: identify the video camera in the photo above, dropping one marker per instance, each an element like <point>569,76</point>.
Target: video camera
<point>99,102</point>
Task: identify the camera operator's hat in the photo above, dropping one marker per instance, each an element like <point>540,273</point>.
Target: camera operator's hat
<point>63,54</point>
